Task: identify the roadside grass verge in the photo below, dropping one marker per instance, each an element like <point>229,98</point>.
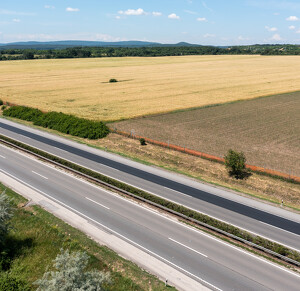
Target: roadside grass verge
<point>39,235</point>
<point>167,205</point>
<point>264,188</point>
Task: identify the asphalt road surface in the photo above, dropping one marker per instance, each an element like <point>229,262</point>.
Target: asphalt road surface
<point>219,265</point>
<point>257,217</point>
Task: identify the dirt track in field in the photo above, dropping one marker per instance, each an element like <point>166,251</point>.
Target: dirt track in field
<point>266,129</point>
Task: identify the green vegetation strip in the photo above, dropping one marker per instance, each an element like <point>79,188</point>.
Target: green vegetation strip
<point>35,238</point>
<point>60,51</point>
<point>61,122</point>
<point>257,242</point>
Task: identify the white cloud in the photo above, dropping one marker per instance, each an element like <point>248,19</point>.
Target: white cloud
<point>70,9</point>
<point>298,31</point>
<point>138,11</point>
<point>16,20</point>
<point>10,12</point>
<point>205,6</point>
<point>49,7</point>
<point>270,28</point>
<point>243,38</point>
<point>292,18</point>
<point>276,13</point>
<point>208,35</point>
<point>276,37</point>
<point>154,13</point>
<point>104,37</point>
<point>292,27</point>
<point>118,17</point>
<point>173,16</point>
<point>190,12</point>
<point>201,19</point>
<point>54,37</point>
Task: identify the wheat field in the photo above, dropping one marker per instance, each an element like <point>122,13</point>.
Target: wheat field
<point>146,85</point>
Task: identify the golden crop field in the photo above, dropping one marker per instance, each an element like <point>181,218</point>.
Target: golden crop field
<point>147,85</point>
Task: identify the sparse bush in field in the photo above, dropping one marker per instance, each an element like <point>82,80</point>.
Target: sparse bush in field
<point>113,81</point>
<point>142,141</point>
<point>65,123</point>
<point>235,162</point>
<point>3,107</point>
<point>1,102</point>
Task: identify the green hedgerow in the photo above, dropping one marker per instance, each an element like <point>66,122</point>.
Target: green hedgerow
<point>61,122</point>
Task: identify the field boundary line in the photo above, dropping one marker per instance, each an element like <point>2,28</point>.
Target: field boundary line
<point>256,169</point>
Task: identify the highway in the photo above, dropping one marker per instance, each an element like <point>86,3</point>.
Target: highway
<point>219,265</point>
<point>259,218</point>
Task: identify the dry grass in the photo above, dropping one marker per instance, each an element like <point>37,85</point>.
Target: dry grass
<point>259,186</point>
<point>263,187</point>
<point>266,129</point>
<point>148,85</point>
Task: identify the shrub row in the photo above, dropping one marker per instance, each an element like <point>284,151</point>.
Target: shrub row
<point>277,248</point>
<point>61,122</point>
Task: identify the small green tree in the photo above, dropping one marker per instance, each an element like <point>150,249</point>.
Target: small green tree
<point>235,162</point>
<point>142,141</point>
<point>113,81</point>
<point>71,274</point>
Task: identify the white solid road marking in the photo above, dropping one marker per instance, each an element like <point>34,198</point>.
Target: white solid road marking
<point>146,189</point>
<point>2,157</point>
<point>279,228</point>
<point>74,177</point>
<point>39,175</point>
<point>60,149</point>
<point>187,247</point>
<point>96,202</point>
<point>179,223</point>
<point>111,230</point>
<point>184,204</point>
<point>70,175</point>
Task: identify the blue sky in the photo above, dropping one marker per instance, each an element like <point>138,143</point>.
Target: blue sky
<point>213,22</point>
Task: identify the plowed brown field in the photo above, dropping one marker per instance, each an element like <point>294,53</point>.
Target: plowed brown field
<point>266,129</point>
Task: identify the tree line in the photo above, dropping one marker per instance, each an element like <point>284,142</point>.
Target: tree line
<point>89,52</point>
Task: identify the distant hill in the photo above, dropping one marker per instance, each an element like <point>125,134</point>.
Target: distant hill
<point>78,43</point>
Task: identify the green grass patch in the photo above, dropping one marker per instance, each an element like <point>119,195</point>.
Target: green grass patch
<point>36,237</point>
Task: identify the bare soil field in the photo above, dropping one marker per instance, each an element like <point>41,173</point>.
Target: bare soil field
<point>266,129</point>
<point>147,85</point>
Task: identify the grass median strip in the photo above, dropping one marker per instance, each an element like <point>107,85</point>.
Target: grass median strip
<point>269,246</point>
